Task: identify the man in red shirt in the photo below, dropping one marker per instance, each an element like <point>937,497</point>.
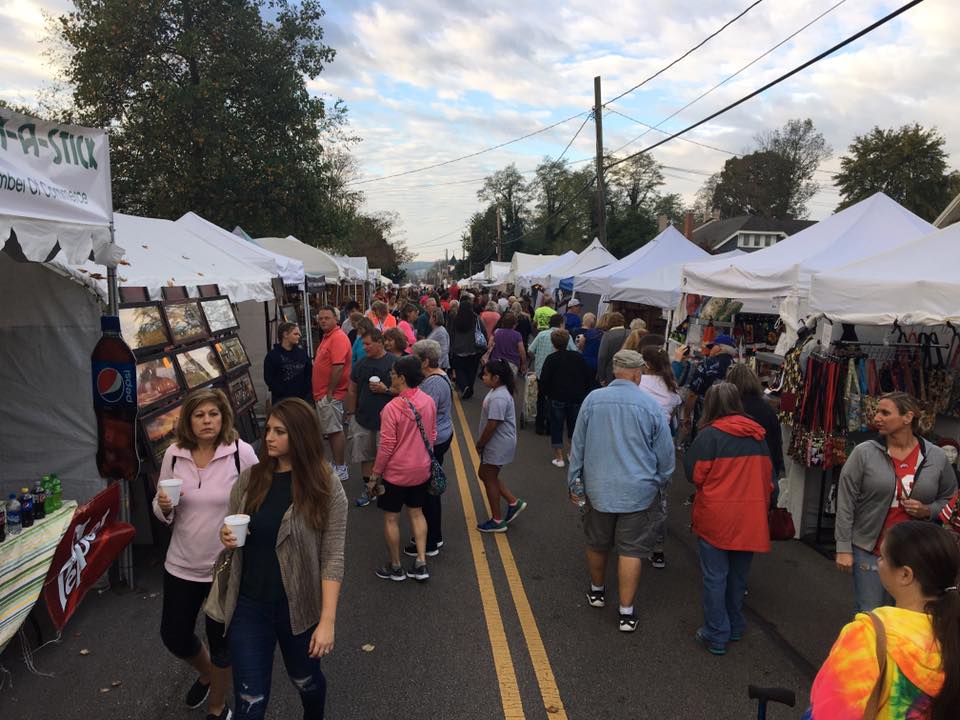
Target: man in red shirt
<point>331,378</point>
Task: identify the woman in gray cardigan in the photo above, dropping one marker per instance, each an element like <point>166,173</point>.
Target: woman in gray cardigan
<point>896,478</point>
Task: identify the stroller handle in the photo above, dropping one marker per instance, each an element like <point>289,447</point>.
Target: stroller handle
<point>777,695</point>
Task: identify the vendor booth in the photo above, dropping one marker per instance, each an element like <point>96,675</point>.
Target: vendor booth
<point>539,274</point>
<point>594,256</point>
<point>523,263</point>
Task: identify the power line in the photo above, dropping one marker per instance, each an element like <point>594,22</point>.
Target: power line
<point>689,52</point>
<point>777,81</point>
<point>729,78</point>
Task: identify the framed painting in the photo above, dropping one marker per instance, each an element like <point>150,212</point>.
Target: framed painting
<point>232,354</point>
<point>199,366</point>
<point>185,320</point>
<point>156,380</point>
<point>219,314</point>
<point>160,429</point>
<point>242,392</point>
<point>143,327</point>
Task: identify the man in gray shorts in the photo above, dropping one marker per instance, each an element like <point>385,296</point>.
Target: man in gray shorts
<point>621,459</point>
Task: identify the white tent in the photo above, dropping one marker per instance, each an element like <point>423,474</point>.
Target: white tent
<point>355,268</point>
<point>658,283</point>
<point>916,284</point>
<point>289,269</point>
<point>540,274</point>
<point>316,262</point>
<point>870,227</point>
<point>495,273</point>
<point>670,246</point>
<point>160,253</point>
<point>522,263</point>
<point>593,256</point>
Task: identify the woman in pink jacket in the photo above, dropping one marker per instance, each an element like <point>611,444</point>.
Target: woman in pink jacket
<point>401,472</point>
<point>207,456</point>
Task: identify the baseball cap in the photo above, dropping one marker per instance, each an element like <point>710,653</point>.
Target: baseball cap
<point>574,303</point>
<point>628,359</point>
<point>722,340</point>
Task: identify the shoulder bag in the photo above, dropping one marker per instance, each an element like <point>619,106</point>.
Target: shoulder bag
<point>479,337</point>
<point>438,478</point>
<point>872,710</point>
<point>216,603</point>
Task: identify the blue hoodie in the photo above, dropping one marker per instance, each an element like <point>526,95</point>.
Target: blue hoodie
<point>287,373</point>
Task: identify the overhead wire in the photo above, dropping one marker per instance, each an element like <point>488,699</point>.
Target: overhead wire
<point>812,61</point>
<point>730,77</point>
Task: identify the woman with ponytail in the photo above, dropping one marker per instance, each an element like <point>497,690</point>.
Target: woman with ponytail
<point>917,643</point>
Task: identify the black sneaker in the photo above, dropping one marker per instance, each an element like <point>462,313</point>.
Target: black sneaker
<point>596,598</point>
<point>388,572</point>
<point>197,694</point>
<point>413,541</point>
<point>658,560</point>
<point>411,550</point>
<point>225,714</point>
<point>628,623</point>
<point>419,573</point>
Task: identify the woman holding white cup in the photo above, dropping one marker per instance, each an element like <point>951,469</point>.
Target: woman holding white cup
<point>284,577</point>
<point>198,472</point>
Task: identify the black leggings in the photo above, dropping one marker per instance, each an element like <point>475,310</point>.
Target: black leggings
<point>182,600</point>
<point>431,508</point>
<point>466,367</point>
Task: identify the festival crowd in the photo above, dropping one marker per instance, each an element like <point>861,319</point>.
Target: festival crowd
<point>621,414</point>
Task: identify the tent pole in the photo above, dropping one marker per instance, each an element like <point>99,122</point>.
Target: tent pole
<point>112,292</point>
<point>266,321</point>
<point>306,320</point>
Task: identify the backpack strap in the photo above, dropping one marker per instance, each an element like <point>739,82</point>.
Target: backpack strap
<point>173,462</point>
<point>872,709</point>
<point>423,433</point>
<point>236,455</point>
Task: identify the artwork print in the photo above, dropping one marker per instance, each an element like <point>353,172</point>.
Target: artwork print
<point>185,321</point>
<point>219,314</point>
<point>156,380</point>
<point>161,431</point>
<point>199,366</point>
<point>242,392</point>
<point>143,327</point>
<point>232,354</point>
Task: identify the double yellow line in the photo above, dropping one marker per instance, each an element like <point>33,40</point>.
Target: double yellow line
<point>502,659</point>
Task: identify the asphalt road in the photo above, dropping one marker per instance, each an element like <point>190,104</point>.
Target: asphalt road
<point>501,630</point>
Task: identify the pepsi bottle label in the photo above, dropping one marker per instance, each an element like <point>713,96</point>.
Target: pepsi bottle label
<point>114,384</point>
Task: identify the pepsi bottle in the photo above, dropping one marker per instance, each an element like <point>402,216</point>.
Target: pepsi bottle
<point>39,501</point>
<point>26,508</point>
<point>115,403</point>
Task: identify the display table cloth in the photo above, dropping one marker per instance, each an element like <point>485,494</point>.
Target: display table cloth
<point>24,562</point>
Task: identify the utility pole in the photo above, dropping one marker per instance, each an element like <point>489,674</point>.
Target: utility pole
<point>446,265</point>
<point>601,200</point>
<point>499,242</point>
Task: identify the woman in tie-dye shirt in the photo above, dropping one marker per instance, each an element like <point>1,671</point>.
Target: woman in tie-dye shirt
<point>919,567</point>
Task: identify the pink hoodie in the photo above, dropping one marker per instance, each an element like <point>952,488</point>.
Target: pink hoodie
<point>402,458</point>
<point>197,519</point>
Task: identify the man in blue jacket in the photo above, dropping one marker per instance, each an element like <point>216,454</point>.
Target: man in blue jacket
<point>287,369</point>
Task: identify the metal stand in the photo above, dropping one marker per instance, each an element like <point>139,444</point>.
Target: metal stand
<point>126,555</point>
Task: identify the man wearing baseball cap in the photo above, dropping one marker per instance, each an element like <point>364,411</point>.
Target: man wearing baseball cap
<point>720,356</point>
<point>621,459</point>
<point>571,318</point>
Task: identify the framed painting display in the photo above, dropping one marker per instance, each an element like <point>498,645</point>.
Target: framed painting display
<point>143,327</point>
<point>241,391</point>
<point>160,429</point>
<point>232,354</point>
<point>289,314</point>
<point>199,366</point>
<point>156,380</point>
<point>185,321</point>
<point>219,314</point>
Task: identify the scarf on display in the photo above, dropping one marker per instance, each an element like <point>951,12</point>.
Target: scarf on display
<point>820,421</point>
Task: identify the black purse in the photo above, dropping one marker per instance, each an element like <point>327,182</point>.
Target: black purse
<point>438,478</point>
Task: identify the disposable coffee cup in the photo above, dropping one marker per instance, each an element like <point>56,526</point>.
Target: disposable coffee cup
<point>374,379</point>
<point>238,526</point>
<point>172,489</point>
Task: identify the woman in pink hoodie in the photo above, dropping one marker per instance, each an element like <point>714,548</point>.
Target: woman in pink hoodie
<point>408,430</point>
<point>207,456</point>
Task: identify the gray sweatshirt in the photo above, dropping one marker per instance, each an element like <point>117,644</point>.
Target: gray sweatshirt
<point>868,485</point>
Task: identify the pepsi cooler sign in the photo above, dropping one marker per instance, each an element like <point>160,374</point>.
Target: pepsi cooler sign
<point>114,383</point>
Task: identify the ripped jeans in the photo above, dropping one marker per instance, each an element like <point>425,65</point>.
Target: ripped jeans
<point>255,630</point>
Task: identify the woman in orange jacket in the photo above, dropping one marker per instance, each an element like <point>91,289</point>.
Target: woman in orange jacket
<point>730,465</point>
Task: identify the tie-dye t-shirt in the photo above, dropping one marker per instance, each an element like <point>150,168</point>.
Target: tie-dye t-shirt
<point>914,673</point>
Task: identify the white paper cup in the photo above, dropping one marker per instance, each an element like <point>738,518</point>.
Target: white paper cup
<point>172,489</point>
<point>238,526</point>
<point>374,379</point>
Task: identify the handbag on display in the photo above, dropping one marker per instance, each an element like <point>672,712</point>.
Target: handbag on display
<point>852,396</point>
<point>438,478</point>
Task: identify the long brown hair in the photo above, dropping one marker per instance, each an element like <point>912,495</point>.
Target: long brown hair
<point>311,474</point>
<point>657,360</point>
<point>934,557</point>
<point>721,400</point>
<point>184,436</point>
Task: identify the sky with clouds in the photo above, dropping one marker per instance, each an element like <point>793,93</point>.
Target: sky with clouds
<point>428,80</point>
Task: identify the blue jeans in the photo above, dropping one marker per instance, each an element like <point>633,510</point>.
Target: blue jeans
<point>868,591</point>
<point>724,582</point>
<point>255,630</point>
<point>560,413</point>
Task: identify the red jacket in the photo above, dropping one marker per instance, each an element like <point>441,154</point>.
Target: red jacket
<point>730,464</point>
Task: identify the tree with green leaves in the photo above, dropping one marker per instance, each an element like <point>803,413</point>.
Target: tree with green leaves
<point>507,190</point>
<point>209,110</point>
<point>908,164</point>
<point>754,184</point>
<point>803,148</point>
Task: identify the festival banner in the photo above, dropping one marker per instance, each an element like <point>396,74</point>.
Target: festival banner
<point>92,542</point>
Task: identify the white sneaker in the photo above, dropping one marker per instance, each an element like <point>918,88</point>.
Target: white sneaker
<point>558,463</point>
<point>343,472</point>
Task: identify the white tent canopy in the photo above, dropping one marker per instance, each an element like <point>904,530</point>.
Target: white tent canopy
<point>540,274</point>
<point>658,282</point>
<point>522,263</point>
<point>916,284</point>
<point>356,269</point>
<point>316,262</point>
<point>669,247</point>
<point>160,253</point>
<point>289,269</point>
<point>593,256</point>
<point>495,273</point>
<point>870,227</point>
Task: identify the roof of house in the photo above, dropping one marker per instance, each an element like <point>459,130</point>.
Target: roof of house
<point>713,233</point>
<point>950,215</point>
